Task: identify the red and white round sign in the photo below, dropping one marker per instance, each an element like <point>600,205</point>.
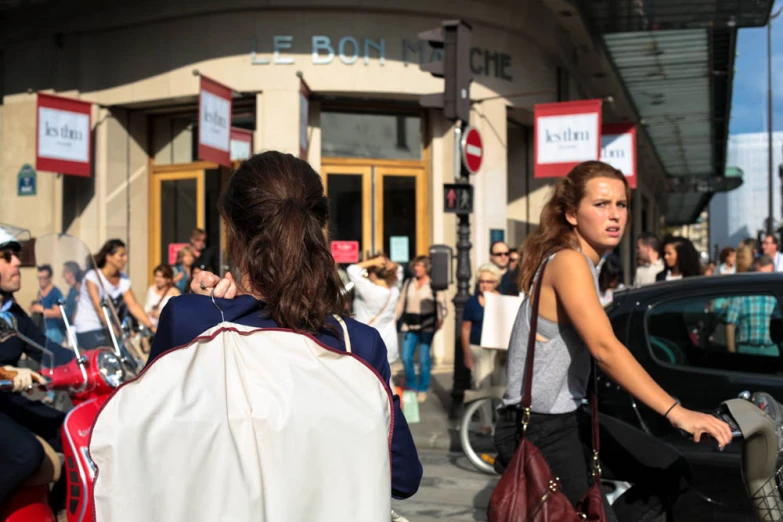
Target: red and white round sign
<point>472,150</point>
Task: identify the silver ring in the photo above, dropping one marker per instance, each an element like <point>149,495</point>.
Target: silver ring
<point>203,286</point>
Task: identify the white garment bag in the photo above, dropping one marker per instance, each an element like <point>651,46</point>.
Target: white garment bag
<point>246,425</point>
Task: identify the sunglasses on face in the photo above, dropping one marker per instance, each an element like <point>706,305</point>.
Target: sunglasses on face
<point>487,281</point>
<point>7,255</point>
<point>504,254</point>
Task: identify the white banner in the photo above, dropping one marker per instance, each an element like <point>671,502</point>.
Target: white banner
<point>617,151</point>
<point>215,121</point>
<point>500,312</point>
<point>240,150</point>
<point>568,138</point>
<point>63,135</point>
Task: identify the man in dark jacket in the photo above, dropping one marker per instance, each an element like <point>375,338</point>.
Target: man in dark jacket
<point>20,419</point>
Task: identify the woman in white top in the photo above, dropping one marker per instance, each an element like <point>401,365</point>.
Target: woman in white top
<point>160,292</point>
<point>681,259</point>
<point>110,281</point>
<point>377,289</point>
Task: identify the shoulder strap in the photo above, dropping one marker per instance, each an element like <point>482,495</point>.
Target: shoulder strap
<point>346,337</point>
<point>388,298</point>
<point>527,396</point>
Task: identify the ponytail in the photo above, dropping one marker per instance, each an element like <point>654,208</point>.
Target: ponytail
<point>276,215</point>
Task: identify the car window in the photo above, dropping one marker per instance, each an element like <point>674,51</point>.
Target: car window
<point>731,332</point>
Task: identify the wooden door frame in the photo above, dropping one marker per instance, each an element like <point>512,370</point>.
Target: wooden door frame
<point>168,173</point>
<point>419,174</point>
<point>365,171</point>
<point>385,167</point>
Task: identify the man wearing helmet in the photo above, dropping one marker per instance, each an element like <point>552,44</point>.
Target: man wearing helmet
<point>20,419</point>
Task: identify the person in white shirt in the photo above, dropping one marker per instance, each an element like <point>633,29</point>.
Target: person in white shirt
<point>160,292</point>
<point>728,261</point>
<point>377,283</point>
<point>681,258</point>
<point>110,281</point>
<point>770,247</point>
<point>650,262</point>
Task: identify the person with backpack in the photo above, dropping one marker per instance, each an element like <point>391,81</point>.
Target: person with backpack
<point>284,285</point>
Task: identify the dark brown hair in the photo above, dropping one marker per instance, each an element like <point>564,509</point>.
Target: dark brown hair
<point>276,216</point>
<point>725,253</point>
<point>381,272</point>
<point>555,232</point>
<point>109,248</point>
<point>165,270</point>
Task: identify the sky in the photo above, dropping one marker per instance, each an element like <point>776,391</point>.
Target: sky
<point>749,99</point>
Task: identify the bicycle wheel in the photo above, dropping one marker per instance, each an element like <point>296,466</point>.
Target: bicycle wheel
<point>477,433</point>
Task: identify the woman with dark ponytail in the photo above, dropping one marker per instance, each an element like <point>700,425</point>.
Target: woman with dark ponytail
<point>284,277</point>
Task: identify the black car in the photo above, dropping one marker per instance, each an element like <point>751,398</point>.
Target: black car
<point>704,340</point>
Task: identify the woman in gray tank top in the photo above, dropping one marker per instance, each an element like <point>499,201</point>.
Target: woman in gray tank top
<point>584,220</point>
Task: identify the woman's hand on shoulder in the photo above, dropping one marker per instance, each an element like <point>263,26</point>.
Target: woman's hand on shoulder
<point>698,424</point>
<point>204,282</point>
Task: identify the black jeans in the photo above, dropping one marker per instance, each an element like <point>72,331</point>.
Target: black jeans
<point>656,470</point>
<point>20,451</point>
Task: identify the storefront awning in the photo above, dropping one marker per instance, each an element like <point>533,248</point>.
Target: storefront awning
<point>687,196</point>
<point>676,61</point>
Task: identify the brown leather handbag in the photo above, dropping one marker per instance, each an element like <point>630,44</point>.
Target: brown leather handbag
<point>527,491</point>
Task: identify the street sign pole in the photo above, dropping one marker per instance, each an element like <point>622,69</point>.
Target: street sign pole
<point>462,375</point>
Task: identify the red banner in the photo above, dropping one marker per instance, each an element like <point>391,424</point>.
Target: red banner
<point>618,149</point>
<point>345,251</point>
<point>241,144</point>
<point>63,135</point>
<point>214,122</point>
<point>566,134</point>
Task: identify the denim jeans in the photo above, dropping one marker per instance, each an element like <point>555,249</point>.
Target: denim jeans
<point>409,342</point>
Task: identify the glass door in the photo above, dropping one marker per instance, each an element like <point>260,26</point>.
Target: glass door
<point>382,206</point>
<point>177,207</point>
<point>401,207</point>
<point>349,189</point>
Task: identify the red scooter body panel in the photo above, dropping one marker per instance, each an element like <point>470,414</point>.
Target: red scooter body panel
<point>29,504</point>
<point>79,469</point>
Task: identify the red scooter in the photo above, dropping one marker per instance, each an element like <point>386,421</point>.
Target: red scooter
<point>88,376</point>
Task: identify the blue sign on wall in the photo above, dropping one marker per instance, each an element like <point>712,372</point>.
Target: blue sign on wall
<point>26,181</point>
<point>496,235</point>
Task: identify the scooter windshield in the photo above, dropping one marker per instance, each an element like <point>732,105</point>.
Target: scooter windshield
<point>83,317</point>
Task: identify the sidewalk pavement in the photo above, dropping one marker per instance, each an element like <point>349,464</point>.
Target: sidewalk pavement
<point>434,430</point>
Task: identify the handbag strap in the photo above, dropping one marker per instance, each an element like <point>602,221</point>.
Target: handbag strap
<point>527,396</point>
<point>388,298</point>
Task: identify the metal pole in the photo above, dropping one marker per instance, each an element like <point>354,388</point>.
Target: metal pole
<point>462,376</point>
<point>770,210</point>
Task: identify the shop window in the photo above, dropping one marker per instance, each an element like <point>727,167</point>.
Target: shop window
<point>175,137</point>
<point>381,136</point>
<point>741,332</point>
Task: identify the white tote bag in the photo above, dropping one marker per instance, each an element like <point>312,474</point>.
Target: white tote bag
<point>246,425</point>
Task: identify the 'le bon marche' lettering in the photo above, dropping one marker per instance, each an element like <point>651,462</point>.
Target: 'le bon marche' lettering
<point>349,50</point>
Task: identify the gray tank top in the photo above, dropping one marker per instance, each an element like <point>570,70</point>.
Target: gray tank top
<point>561,368</point>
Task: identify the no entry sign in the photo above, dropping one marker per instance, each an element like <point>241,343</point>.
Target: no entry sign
<point>472,150</point>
